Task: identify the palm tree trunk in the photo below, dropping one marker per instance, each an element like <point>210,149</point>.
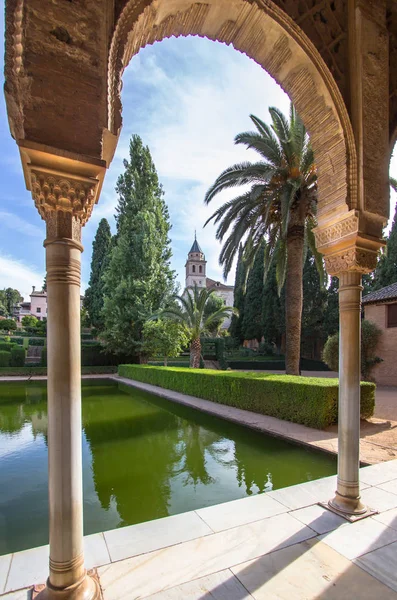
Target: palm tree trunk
<point>294,297</point>
<point>195,353</point>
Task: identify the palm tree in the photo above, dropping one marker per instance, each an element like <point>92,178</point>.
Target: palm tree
<point>393,183</point>
<point>189,309</point>
<point>279,207</point>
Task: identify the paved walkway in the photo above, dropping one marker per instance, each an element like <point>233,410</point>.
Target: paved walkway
<point>280,545</point>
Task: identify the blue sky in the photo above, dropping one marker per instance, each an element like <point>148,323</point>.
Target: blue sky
<point>187,98</point>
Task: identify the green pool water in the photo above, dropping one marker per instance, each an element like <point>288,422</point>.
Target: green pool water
<point>143,458</point>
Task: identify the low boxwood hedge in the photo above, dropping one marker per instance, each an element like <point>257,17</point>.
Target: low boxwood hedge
<point>17,357</point>
<point>311,401</point>
<point>7,346</point>
<point>4,358</point>
<point>31,371</point>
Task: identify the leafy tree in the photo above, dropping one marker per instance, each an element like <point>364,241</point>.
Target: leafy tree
<point>214,304</point>
<point>190,311</point>
<point>370,336</point>
<point>29,321</point>
<point>331,314</point>
<point>93,300</point>
<point>138,280</point>
<point>8,298</point>
<point>44,288</point>
<point>239,294</point>
<point>8,325</point>
<point>164,338</point>
<point>253,302</point>
<point>386,270</point>
<point>279,207</point>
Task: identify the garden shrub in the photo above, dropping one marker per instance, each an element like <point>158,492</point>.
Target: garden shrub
<point>4,358</point>
<point>43,359</point>
<point>17,358</point>
<point>33,341</point>
<point>7,347</point>
<point>32,370</point>
<point>93,356</point>
<point>370,335</point>
<point>16,340</point>
<point>311,401</point>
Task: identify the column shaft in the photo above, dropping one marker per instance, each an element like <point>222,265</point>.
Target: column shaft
<point>64,413</point>
<point>347,498</point>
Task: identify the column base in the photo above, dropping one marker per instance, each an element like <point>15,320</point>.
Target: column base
<point>351,509</point>
<point>87,589</point>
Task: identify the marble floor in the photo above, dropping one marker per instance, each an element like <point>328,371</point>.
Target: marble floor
<point>280,545</point>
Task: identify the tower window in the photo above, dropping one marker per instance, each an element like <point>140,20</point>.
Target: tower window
<point>193,269</point>
<point>200,269</point>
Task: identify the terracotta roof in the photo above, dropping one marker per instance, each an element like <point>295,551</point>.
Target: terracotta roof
<point>384,294</point>
<point>218,284</point>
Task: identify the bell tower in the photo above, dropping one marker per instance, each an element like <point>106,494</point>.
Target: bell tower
<point>196,266</point>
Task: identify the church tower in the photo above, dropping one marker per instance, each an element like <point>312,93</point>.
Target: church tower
<point>196,266</point>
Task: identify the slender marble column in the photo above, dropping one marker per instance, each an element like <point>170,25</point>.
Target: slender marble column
<point>68,578</point>
<point>347,496</point>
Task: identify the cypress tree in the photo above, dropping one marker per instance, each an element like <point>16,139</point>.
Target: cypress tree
<point>138,278</point>
<point>386,270</point>
<point>314,306</point>
<point>93,300</point>
<point>273,310</point>
<point>235,328</point>
<point>252,319</point>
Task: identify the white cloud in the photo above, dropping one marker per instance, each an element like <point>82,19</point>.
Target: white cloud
<point>15,223</point>
<point>19,275</point>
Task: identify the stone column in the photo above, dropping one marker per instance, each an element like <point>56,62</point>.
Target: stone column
<point>65,202</point>
<point>347,496</point>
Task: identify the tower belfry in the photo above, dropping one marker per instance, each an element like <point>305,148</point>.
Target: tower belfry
<point>196,266</point>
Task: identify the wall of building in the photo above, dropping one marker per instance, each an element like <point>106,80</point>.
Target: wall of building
<point>38,306</point>
<point>386,372</point>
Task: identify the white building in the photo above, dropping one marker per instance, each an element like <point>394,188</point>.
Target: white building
<point>196,273</point>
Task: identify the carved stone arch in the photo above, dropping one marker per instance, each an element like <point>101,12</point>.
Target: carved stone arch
<point>265,33</point>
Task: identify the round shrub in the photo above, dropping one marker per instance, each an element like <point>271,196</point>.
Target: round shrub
<point>17,357</point>
<point>370,336</point>
<point>4,358</point>
<point>331,352</point>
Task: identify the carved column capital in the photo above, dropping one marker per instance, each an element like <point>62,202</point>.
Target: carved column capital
<point>62,192</point>
<point>345,247</point>
<point>355,259</point>
<point>65,187</point>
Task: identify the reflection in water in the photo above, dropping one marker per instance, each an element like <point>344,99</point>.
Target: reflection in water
<point>143,458</point>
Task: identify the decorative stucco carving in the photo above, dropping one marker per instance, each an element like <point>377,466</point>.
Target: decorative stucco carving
<point>352,259</point>
<point>337,231</point>
<point>53,193</point>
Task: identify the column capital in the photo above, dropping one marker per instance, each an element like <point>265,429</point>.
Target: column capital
<point>64,187</point>
<point>344,245</point>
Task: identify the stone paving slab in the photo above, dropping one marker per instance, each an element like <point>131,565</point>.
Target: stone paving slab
<point>307,571</point>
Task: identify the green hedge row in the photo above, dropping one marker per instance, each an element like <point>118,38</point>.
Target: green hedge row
<point>30,371</point>
<point>7,346</point>
<point>12,358</point>
<point>93,355</point>
<point>275,365</point>
<point>311,401</point>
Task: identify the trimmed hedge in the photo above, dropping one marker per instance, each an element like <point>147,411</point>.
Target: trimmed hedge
<point>4,358</point>
<point>33,341</point>
<point>93,356</point>
<point>31,371</point>
<point>306,364</point>
<point>311,401</point>
<point>17,357</point>
<point>7,346</point>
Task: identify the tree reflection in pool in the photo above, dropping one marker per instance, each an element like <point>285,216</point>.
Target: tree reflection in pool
<point>143,458</point>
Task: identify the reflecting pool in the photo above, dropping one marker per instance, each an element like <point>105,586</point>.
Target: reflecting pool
<point>143,458</point>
